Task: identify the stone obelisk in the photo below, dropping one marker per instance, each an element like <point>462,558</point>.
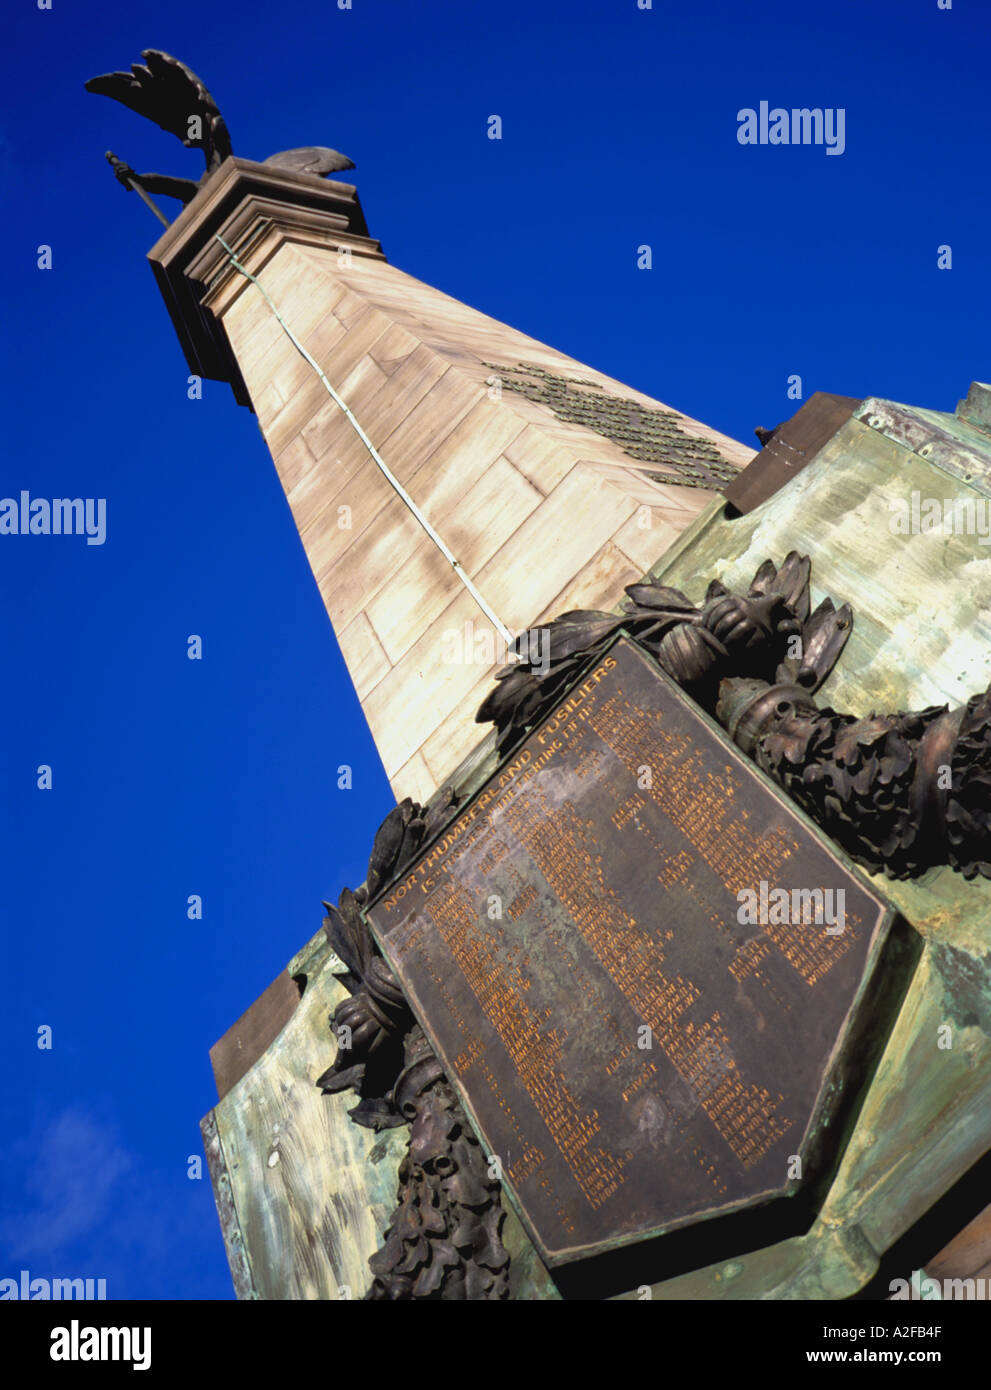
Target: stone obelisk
<point>550,484</point>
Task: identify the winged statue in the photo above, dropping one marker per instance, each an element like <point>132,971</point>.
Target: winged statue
<point>166,91</point>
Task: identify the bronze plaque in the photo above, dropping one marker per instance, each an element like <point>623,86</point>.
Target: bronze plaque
<point>616,954</point>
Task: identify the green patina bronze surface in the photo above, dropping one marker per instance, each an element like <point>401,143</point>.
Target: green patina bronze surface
<point>922,636</point>
<point>309,1192</point>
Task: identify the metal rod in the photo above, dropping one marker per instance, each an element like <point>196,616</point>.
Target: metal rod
<point>119,167</point>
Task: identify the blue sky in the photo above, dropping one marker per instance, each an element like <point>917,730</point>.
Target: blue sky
<point>218,777</point>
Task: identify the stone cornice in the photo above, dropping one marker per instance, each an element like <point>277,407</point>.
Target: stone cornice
<point>254,207</point>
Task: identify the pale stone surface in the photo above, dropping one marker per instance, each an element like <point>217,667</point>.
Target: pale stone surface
<point>416,779</point>
<point>296,466</point>
<point>644,545</point>
<point>366,658</point>
<point>474,527</point>
<point>599,584</point>
<point>541,513</point>
<point>422,691</point>
<point>542,457</point>
<point>553,545</point>
<point>448,747</point>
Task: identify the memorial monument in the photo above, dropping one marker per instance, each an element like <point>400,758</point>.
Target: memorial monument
<point>676,982</point>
